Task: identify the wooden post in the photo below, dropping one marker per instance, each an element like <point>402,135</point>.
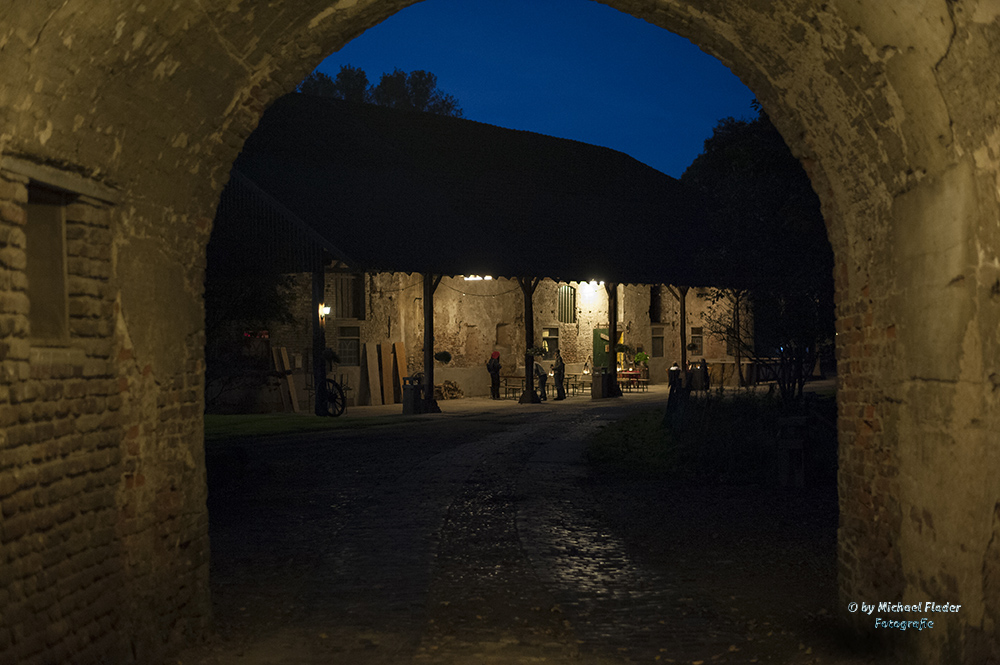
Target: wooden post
<point>612,290</point>
<point>293,391</point>
<point>385,364</point>
<point>399,351</point>
<point>318,342</point>
<point>528,286</point>
<point>278,367</point>
<point>682,290</point>
<point>369,355</point>
<point>430,284</point>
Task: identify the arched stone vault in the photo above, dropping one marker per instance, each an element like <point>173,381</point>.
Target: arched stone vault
<point>892,108</point>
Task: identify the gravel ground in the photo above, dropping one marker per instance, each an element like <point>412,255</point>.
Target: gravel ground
<point>479,536</point>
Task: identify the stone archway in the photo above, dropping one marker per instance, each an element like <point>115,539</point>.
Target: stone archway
<point>138,110</point>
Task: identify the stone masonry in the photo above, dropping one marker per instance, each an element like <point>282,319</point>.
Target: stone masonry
<point>138,110</point>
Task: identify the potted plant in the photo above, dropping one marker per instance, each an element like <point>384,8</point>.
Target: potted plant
<point>641,358</point>
<point>642,362</point>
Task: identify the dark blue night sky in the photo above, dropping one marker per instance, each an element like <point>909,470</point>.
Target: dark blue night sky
<point>569,68</point>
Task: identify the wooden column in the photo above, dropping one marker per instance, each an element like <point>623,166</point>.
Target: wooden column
<point>318,341</point>
<point>681,295</point>
<point>612,290</point>
<point>430,284</point>
<point>528,286</point>
<point>682,299</point>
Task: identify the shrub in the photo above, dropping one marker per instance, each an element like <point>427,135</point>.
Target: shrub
<point>724,439</point>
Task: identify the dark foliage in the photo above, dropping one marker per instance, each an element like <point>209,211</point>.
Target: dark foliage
<point>416,91</point>
<point>244,294</point>
<point>765,240</point>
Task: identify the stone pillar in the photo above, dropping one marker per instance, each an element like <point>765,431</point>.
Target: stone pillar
<point>919,416</point>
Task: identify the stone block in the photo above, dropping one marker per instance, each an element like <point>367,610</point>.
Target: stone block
<point>84,267</point>
<point>20,435</point>
<point>17,526</point>
<point>12,213</point>
<point>85,307</point>
<point>79,213</point>
<point>13,192</point>
<point>12,236</point>
<point>86,286</point>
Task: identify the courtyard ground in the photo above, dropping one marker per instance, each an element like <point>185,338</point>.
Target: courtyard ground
<point>480,536</point>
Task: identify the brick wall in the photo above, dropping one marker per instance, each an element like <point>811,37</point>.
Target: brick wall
<point>92,521</point>
<point>62,569</point>
<point>870,511</point>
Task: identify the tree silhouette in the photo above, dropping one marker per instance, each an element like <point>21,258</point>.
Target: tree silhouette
<point>351,84</point>
<point>416,91</point>
<point>769,247</point>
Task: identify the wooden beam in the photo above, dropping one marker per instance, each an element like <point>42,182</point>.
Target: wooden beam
<point>318,342</point>
<point>430,284</point>
<point>290,378</point>
<point>399,351</point>
<point>612,291</point>
<point>374,378</point>
<point>282,388</point>
<point>683,290</point>
<point>385,363</point>
<point>528,286</point>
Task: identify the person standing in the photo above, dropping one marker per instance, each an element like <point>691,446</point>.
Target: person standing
<point>674,376</point>
<point>559,374</point>
<point>540,376</point>
<point>493,367</point>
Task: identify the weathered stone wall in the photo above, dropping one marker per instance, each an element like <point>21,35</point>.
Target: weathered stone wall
<point>892,107</point>
<point>475,318</point>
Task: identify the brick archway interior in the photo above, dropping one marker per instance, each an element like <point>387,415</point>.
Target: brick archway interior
<point>133,115</point>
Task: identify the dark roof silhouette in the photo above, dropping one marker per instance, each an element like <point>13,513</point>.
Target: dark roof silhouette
<point>404,191</point>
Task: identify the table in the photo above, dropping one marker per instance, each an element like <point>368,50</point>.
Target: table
<point>577,383</point>
<point>629,379</point>
<point>512,385</point>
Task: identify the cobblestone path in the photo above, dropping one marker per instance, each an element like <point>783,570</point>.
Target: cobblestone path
<point>481,538</point>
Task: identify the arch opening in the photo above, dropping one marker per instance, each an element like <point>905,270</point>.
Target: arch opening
<point>827,506</point>
<point>893,117</point>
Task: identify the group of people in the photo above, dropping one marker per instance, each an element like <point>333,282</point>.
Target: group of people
<point>541,376</point>
<point>695,377</point>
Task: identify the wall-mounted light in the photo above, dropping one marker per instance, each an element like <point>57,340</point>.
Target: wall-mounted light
<point>591,286</point>
<point>324,310</point>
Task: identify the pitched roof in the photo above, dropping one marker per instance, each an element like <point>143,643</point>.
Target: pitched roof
<point>415,192</point>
